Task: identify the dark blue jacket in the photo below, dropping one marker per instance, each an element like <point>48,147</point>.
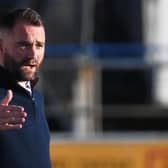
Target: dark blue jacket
<point>27,147</point>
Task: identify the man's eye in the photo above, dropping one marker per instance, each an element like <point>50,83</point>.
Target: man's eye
<point>39,46</point>
<point>23,47</point>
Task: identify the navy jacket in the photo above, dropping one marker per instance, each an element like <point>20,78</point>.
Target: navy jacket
<point>27,147</point>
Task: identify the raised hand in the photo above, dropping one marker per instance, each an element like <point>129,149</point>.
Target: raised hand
<point>11,116</point>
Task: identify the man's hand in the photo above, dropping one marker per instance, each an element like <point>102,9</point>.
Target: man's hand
<point>11,116</point>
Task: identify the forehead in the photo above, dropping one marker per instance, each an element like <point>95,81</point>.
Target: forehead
<point>25,31</point>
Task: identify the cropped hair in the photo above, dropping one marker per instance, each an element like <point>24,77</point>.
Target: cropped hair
<point>28,15</point>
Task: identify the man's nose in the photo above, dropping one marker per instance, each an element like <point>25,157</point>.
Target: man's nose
<point>32,52</point>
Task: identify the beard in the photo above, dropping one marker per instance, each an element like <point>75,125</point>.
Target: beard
<point>25,70</point>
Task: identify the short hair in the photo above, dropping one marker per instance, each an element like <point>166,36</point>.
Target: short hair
<point>28,15</point>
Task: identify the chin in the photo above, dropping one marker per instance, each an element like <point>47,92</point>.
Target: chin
<point>28,76</point>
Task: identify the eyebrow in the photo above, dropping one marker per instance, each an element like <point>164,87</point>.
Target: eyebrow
<point>23,43</point>
<point>29,43</point>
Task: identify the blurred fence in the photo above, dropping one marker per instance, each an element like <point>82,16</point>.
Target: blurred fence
<point>102,82</point>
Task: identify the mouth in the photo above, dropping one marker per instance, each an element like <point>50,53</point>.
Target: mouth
<point>30,63</point>
<point>29,66</point>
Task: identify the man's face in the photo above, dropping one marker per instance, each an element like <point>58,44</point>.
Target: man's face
<point>23,50</point>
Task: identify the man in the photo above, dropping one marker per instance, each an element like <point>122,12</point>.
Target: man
<point>24,133</point>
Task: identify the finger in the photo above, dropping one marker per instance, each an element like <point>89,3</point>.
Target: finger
<point>12,120</point>
<point>10,126</point>
<point>15,114</point>
<point>11,108</point>
<point>7,114</point>
<point>16,120</point>
<point>6,100</point>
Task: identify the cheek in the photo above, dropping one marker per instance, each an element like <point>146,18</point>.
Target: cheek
<point>11,56</point>
<point>40,59</point>
<point>17,54</point>
<point>18,57</point>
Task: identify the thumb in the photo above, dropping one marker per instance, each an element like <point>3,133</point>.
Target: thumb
<point>6,100</point>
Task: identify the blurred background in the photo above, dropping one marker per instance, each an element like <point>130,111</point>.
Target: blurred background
<point>105,81</point>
